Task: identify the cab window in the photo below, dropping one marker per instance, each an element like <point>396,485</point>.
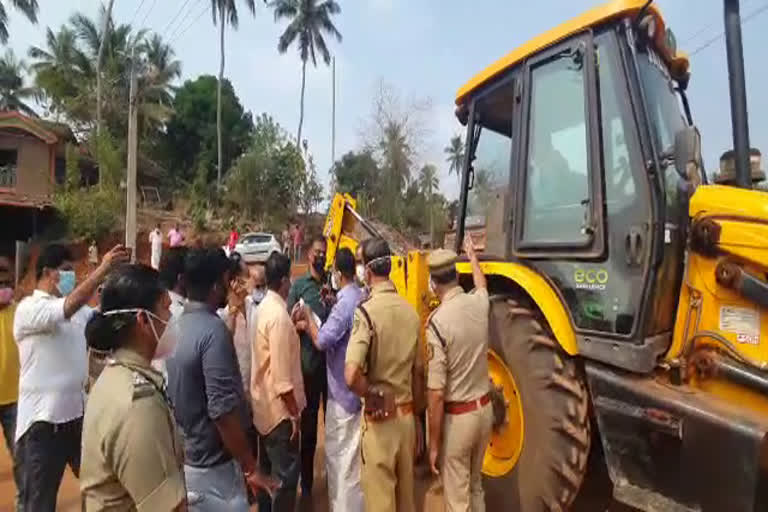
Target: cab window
<point>557,185</point>
<point>487,200</point>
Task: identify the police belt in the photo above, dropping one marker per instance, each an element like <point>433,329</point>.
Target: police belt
<point>465,407</point>
<point>403,409</point>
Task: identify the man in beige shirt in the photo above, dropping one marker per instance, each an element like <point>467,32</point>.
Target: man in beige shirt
<point>460,416</point>
<point>277,387</point>
<point>385,368</point>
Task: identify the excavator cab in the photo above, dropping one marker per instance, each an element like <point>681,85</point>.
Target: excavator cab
<point>629,295</point>
<point>575,148</point>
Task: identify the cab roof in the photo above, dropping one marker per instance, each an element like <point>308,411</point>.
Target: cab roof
<point>594,17</point>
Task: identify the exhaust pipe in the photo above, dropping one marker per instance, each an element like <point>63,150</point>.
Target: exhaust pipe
<point>738,89</point>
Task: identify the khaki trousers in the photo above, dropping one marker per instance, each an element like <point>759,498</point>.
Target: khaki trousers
<point>465,437</point>
<point>387,471</point>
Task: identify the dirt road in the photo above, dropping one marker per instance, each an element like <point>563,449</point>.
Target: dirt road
<point>428,495</point>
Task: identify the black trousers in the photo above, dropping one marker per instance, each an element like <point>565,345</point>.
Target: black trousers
<point>279,458</point>
<point>8,424</point>
<point>315,389</point>
<point>42,453</point>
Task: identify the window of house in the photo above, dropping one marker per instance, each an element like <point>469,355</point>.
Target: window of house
<point>8,159</point>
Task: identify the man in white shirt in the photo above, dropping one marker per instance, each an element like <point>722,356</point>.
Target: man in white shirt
<point>156,246</point>
<point>49,327</point>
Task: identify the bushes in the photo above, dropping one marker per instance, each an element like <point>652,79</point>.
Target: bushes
<point>89,212</point>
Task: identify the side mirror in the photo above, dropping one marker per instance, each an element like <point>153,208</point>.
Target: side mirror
<point>688,162</point>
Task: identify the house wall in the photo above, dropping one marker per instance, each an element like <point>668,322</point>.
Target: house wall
<point>33,165</point>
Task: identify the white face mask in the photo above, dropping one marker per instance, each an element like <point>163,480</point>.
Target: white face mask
<point>360,273</point>
<point>258,295</point>
<point>335,281</point>
<point>166,343</point>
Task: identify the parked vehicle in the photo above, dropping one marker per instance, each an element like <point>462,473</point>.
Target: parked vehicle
<point>257,247</point>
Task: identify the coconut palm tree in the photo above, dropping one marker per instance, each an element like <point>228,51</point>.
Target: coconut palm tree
<point>224,12</point>
<point>309,20</point>
<point>13,91</point>
<point>28,8</point>
<point>455,152</point>
<point>428,183</point>
<point>61,70</point>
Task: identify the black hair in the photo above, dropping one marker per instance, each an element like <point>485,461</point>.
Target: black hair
<point>235,264</point>
<point>445,277</point>
<point>377,249</point>
<point>345,262</point>
<point>52,256</point>
<point>172,266</point>
<point>314,239</point>
<point>277,268</point>
<point>128,287</point>
<point>203,268</point>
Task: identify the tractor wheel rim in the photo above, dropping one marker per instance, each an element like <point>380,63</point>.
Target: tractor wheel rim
<point>506,442</point>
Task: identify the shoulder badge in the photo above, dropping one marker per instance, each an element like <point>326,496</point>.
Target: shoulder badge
<point>142,387</point>
<point>355,324</point>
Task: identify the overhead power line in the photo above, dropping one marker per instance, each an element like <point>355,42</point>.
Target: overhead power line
<point>716,38</point>
<point>184,18</point>
<point>148,13</point>
<point>175,17</point>
<point>684,42</point>
<point>178,36</point>
<point>136,12</point>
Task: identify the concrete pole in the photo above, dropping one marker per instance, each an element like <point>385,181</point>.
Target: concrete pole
<point>131,186</point>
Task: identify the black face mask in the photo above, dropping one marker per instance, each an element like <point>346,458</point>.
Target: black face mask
<point>319,263</point>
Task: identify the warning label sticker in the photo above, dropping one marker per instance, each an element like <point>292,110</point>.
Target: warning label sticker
<point>744,322</point>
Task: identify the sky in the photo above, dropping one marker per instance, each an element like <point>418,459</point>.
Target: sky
<point>425,49</point>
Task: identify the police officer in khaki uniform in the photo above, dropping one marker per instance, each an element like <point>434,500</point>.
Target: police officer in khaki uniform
<point>384,367</point>
<point>459,411</point>
<point>132,456</point>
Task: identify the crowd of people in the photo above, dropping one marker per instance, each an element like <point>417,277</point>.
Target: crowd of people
<point>212,375</point>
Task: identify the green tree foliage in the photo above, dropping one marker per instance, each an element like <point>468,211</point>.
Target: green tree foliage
<point>65,73</point>
<point>14,93</point>
<point>190,139</point>
<point>357,174</point>
<point>92,212</point>
<point>311,189</point>
<point>264,181</point>
<point>428,184</point>
<point>72,181</point>
<point>28,8</point>
<point>309,22</point>
<point>455,158</point>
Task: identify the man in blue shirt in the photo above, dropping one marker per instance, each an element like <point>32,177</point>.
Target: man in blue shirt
<point>206,390</point>
<point>342,419</point>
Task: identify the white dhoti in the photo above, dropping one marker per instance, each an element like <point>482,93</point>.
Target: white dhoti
<point>154,258</point>
<point>342,459</point>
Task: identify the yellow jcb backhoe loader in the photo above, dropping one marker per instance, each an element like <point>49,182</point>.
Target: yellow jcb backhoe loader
<point>629,318</point>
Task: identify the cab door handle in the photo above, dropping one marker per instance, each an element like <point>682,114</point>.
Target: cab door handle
<point>633,244</point>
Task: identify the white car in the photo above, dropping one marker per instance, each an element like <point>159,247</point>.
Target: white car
<point>257,247</point>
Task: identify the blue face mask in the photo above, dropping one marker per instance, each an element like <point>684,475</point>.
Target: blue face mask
<point>66,282</point>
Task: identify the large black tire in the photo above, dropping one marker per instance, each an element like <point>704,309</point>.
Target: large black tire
<point>555,406</point>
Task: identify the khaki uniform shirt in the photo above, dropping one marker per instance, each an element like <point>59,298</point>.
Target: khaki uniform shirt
<point>132,457</point>
<point>275,365</point>
<point>389,352</point>
<point>458,364</point>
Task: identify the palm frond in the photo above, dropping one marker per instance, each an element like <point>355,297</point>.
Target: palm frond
<point>28,7</point>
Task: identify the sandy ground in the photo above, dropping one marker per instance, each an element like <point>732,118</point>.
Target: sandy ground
<point>428,492</point>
